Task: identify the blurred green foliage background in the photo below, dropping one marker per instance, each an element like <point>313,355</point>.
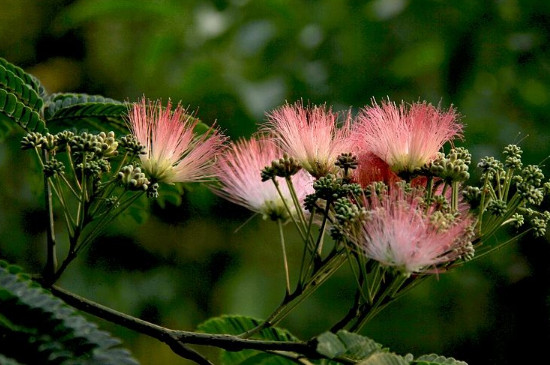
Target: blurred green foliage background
<point>234,60</point>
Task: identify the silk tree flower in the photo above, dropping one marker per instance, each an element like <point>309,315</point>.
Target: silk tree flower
<point>173,152</point>
<point>406,137</point>
<point>399,232</point>
<point>311,135</point>
<point>238,171</point>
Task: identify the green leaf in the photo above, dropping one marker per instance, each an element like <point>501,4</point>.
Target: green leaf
<point>94,113</point>
<point>7,361</point>
<point>235,325</point>
<point>12,83</point>
<point>27,78</point>
<point>38,328</point>
<point>14,112</point>
<point>330,345</point>
<point>58,101</point>
<point>384,358</point>
<point>346,344</point>
<point>433,359</point>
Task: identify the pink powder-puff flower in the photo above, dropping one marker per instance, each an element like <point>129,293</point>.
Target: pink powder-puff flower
<point>311,135</point>
<point>406,137</point>
<point>173,152</point>
<point>399,232</point>
<point>238,171</point>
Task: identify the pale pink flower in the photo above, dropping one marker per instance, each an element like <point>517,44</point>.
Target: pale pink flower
<point>311,135</point>
<point>238,171</point>
<point>406,137</point>
<point>174,153</point>
<point>399,232</point>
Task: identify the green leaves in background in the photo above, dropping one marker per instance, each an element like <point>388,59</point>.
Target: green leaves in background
<point>27,78</point>
<point>346,344</point>
<point>235,325</point>
<point>20,100</point>
<point>352,347</point>
<point>85,112</point>
<point>13,112</point>
<point>38,328</point>
<point>24,91</point>
<point>342,347</point>
<point>24,102</point>
<point>434,359</point>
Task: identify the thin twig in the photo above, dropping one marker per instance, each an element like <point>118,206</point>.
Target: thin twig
<point>51,258</point>
<point>177,339</point>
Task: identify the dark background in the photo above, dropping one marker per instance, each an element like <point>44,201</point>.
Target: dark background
<point>234,60</point>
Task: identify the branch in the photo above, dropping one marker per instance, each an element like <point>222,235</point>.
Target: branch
<point>51,258</point>
<point>177,339</point>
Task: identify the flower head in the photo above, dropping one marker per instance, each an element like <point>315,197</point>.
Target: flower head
<point>311,135</point>
<point>398,231</point>
<point>405,137</point>
<point>239,173</point>
<point>173,152</point>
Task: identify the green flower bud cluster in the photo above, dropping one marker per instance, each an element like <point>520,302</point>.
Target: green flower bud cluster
<point>439,203</point>
<point>49,142</point>
<point>330,188</point>
<point>442,221</point>
<point>406,187</point>
<point>133,179</point>
<point>85,143</point>
<point>108,144</point>
<point>538,220</point>
<point>517,220</point>
<point>283,167</point>
<point>347,162</point>
<point>93,167</point>
<point>466,251</point>
<point>376,188</point>
<point>346,213</point>
<point>491,167</point>
<point>152,191</point>
<point>53,167</point>
<point>310,202</point>
<point>452,167</point>
<point>131,145</point>
<point>530,184</point>
<point>472,194</point>
<point>504,183</point>
<point>90,157</point>
<point>497,207</point>
<point>513,156</point>
<point>63,139</point>
<point>32,140</point>
<point>532,174</point>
